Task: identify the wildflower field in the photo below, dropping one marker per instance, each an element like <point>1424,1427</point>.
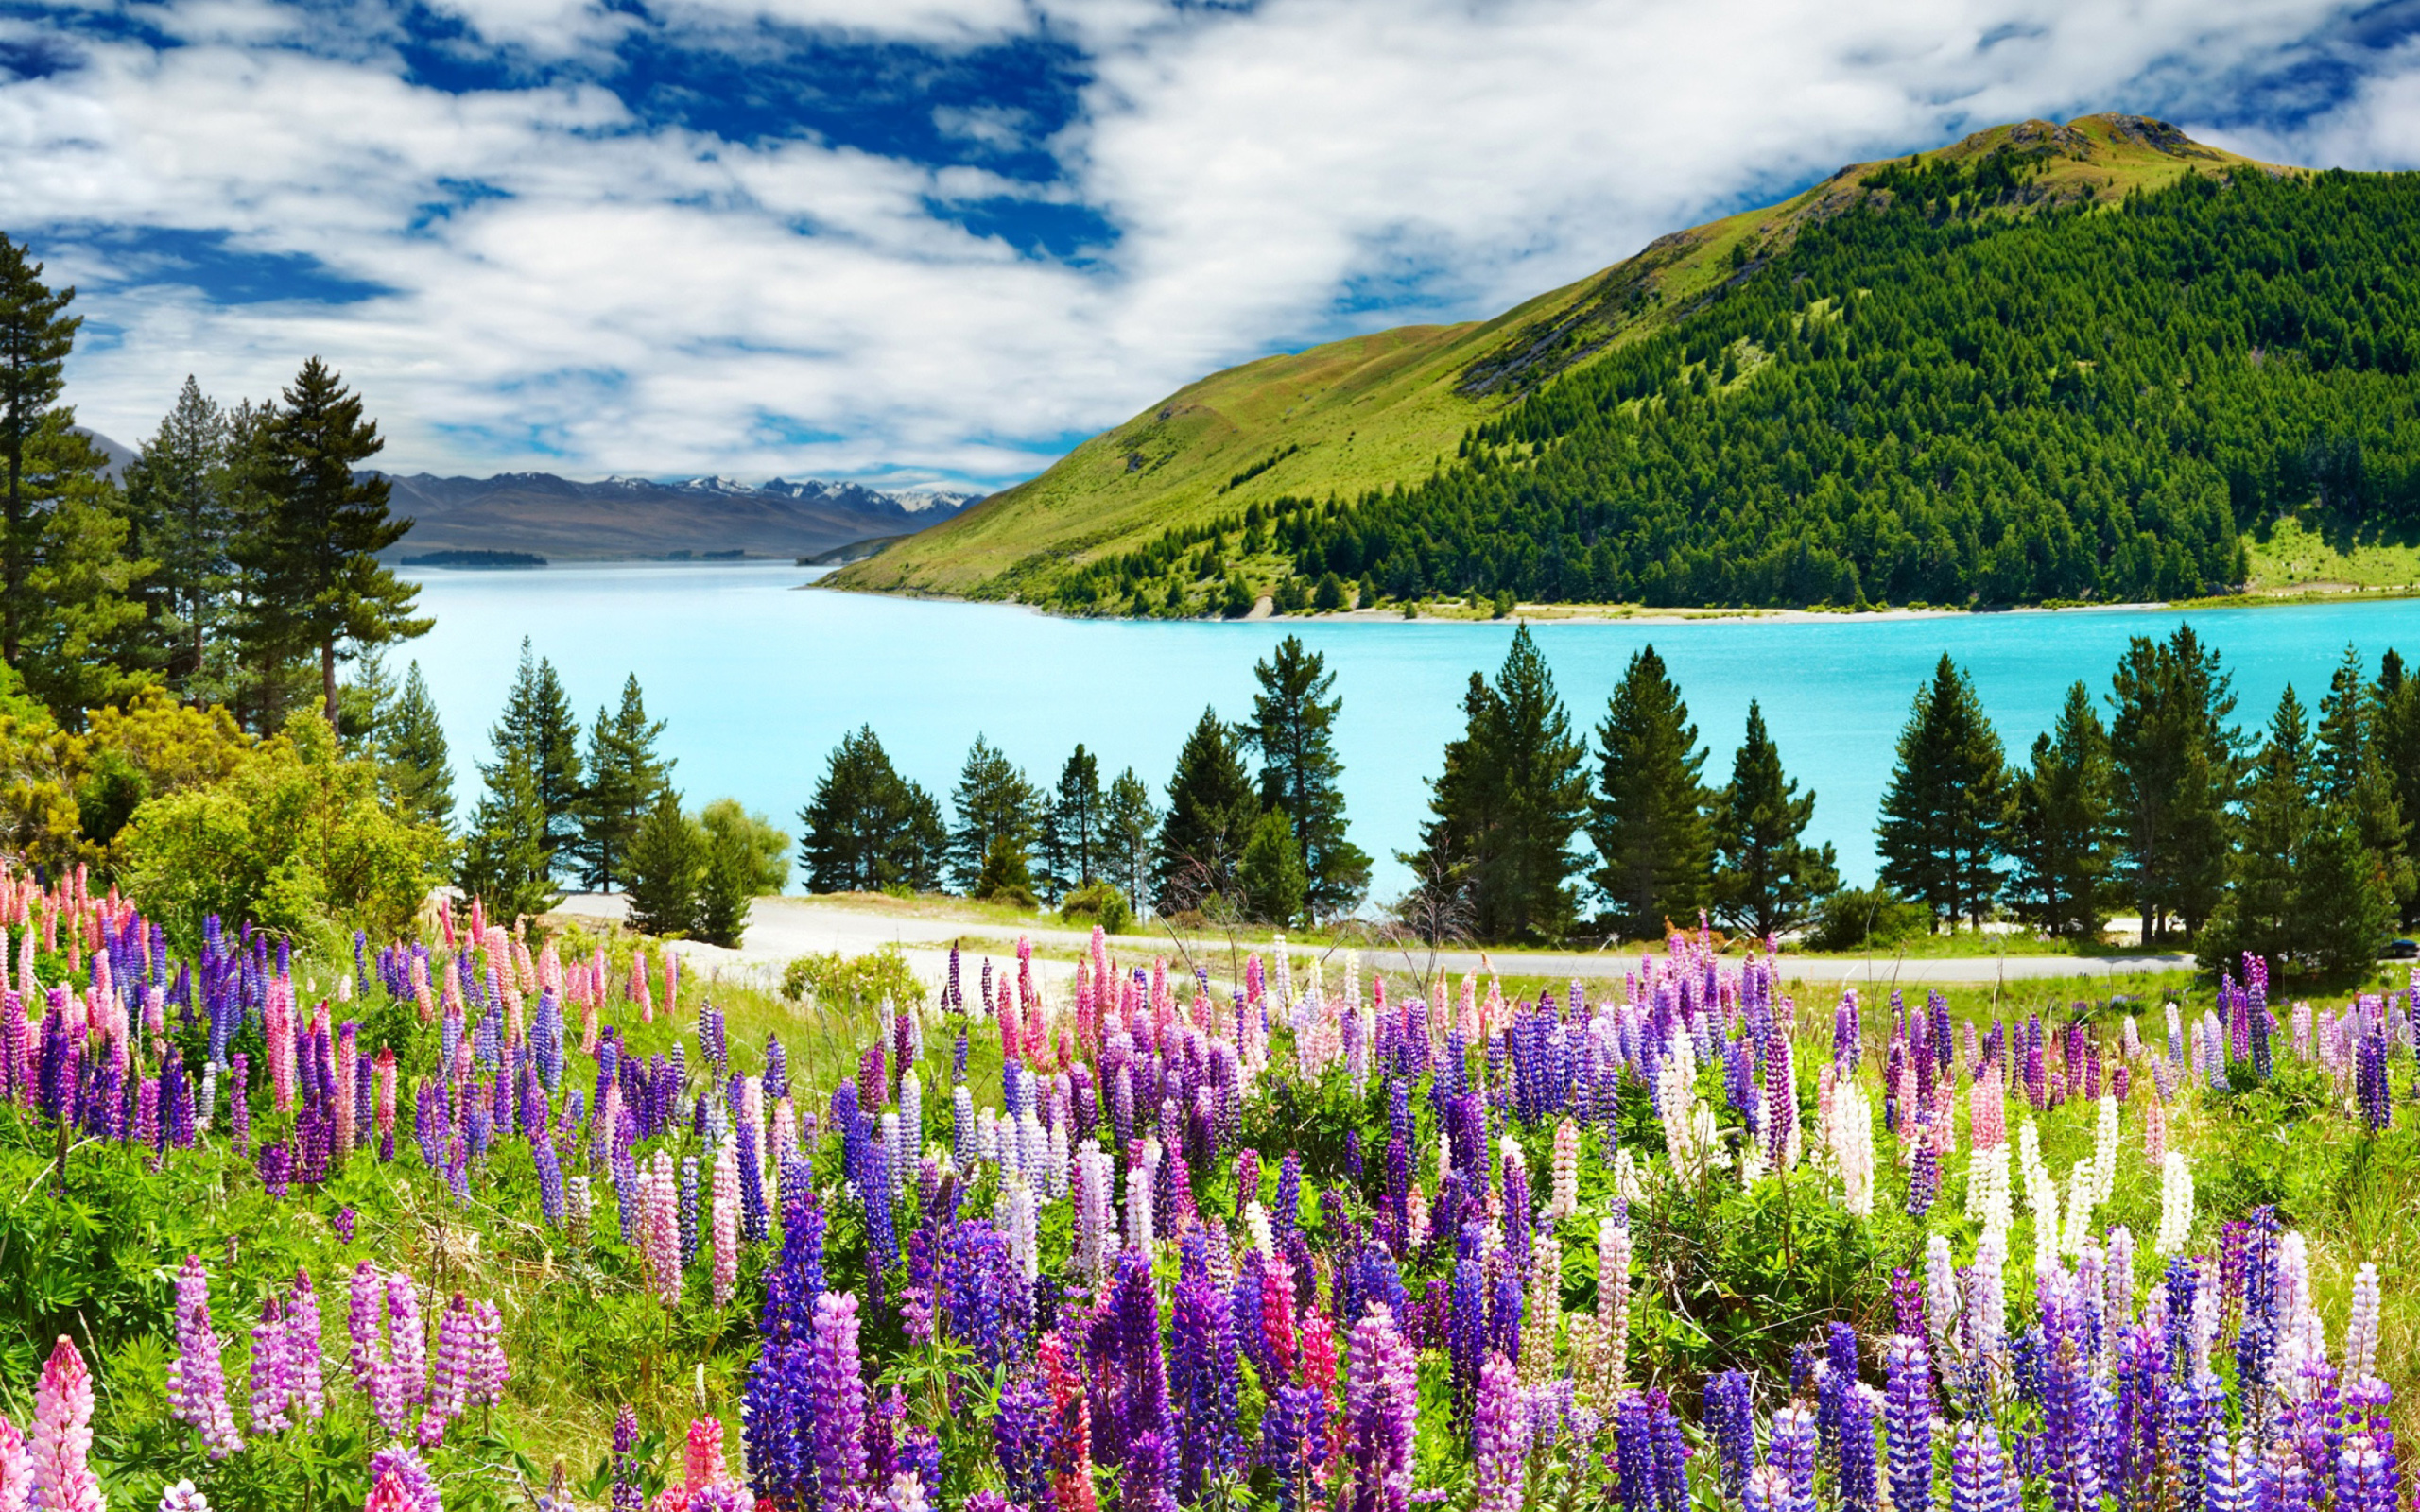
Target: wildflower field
<point>480,1219</point>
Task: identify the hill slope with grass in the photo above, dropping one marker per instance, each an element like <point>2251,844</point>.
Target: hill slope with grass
<point>1353,418</point>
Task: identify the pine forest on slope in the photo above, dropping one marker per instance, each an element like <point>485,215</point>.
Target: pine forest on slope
<point>2048,363</point>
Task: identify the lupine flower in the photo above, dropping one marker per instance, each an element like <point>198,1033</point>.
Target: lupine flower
<point>415,1490</point>
<point>16,1469</point>
<point>182,1497</point>
<point>839,1400</point>
<point>1499,1443</point>
<point>197,1377</point>
<point>1382,1402</point>
<point>1791,1455</point>
<point>272,1379</point>
<point>62,1437</point>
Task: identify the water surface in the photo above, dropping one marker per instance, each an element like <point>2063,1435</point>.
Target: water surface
<point>758,678</point>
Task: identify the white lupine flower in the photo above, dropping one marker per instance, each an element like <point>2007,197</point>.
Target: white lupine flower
<point>2175,1206</point>
<point>2361,1330</point>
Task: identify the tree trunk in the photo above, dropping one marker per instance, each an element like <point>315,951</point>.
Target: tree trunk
<point>328,678</point>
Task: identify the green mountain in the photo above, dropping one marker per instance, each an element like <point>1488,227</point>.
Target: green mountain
<point>2047,361</point>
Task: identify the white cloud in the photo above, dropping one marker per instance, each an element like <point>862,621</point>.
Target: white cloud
<point>630,298</point>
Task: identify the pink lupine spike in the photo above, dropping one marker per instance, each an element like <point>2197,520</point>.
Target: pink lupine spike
<point>63,1481</point>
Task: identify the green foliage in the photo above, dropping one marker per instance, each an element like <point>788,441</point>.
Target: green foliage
<point>415,770</point>
<point>2060,830</point>
<point>668,868</point>
<point>864,981</point>
<point>1272,877</point>
<point>624,774</point>
<point>2177,760</point>
<point>1854,917</point>
<point>745,858</point>
<point>1292,728</point>
<point>867,829</point>
<point>294,838</point>
<point>1072,841</point>
<point>1212,808</point>
<point>182,509</point>
<point>1496,853</point>
<point>1945,811</point>
<point>1097,904</point>
<point>1767,878</point>
<point>1648,819</point>
<point>1129,829</point>
<point>995,807</point>
<point>1004,878</point>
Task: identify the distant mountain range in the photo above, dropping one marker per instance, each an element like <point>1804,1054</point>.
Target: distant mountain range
<point>558,517</point>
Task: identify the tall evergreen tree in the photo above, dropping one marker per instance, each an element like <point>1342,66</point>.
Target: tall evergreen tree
<point>744,858</point>
<point>180,506</point>
<point>1767,878</point>
<point>36,335</point>
<point>624,773</point>
<point>2354,778</point>
<point>2177,761</point>
<point>1212,808</point>
<point>1293,730</point>
<point>995,806</point>
<point>311,553</point>
<point>505,860</point>
<point>1507,804</point>
<point>1071,827</point>
<point>1946,806</point>
<point>1129,829</point>
<point>2396,742</point>
<point>2261,913</point>
<point>537,731</point>
<point>1274,883</point>
<point>79,632</point>
<point>2062,831</point>
<point>867,827</point>
<point>667,868</point>
<point>1648,815</point>
<point>415,772</point>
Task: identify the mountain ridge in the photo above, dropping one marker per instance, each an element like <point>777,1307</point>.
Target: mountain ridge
<point>1387,409</point>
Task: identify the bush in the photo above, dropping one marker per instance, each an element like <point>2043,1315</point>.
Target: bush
<point>1853,918</point>
<point>1292,595</point>
<point>745,858</point>
<point>852,981</point>
<point>1330,593</point>
<point>294,839</point>
<point>1100,903</point>
<point>1005,877</point>
<point>1237,600</point>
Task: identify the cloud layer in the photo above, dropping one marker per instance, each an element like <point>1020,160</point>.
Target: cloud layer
<point>942,239</point>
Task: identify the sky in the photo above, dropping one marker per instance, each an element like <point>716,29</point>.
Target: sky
<point>941,241</point>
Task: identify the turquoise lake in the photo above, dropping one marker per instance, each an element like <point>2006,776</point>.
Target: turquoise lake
<point>758,678</point>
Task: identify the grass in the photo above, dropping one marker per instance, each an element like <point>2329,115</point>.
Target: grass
<point>1389,407</point>
<point>2302,553</point>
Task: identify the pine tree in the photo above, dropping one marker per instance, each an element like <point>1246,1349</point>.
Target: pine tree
<point>2177,761</point>
<point>1506,806</point>
<point>994,806</point>
<point>1272,877</point>
<point>1946,806</point>
<point>1648,819</point>
<point>78,641</point>
<point>1293,730</point>
<point>505,857</point>
<point>867,827</point>
<point>2061,834</point>
<point>624,774</point>
<point>311,553</point>
<point>180,503</point>
<point>2396,742</point>
<point>1071,827</point>
<point>1130,827</point>
<point>2260,913</point>
<point>36,335</point>
<point>1767,878</point>
<point>667,868</point>
<point>538,730</point>
<point>415,773</point>
<point>1212,809</point>
<point>2354,778</point>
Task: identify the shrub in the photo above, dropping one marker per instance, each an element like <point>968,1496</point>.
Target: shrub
<point>1100,903</point>
<point>1853,918</point>
<point>854,981</point>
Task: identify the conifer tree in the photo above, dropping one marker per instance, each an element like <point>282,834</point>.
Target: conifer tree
<point>996,805</point>
<point>2354,779</point>
<point>1274,883</point>
<point>1071,827</point>
<point>2177,761</point>
<point>1767,878</point>
<point>624,773</point>
<point>415,772</point>
<point>2395,741</point>
<point>538,730</point>
<point>505,857</point>
<point>181,514</point>
<point>1293,730</point>
<point>36,335</point>
<point>1212,809</point>
<point>1648,819</point>
<point>667,868</point>
<point>1129,828</point>
<point>1504,809</point>
<point>2061,835</point>
<point>744,858</point>
<point>1947,805</point>
<point>867,827</point>
<point>311,552</point>
<point>2260,913</point>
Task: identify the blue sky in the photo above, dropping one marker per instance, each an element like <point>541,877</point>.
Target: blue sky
<point>941,240</point>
